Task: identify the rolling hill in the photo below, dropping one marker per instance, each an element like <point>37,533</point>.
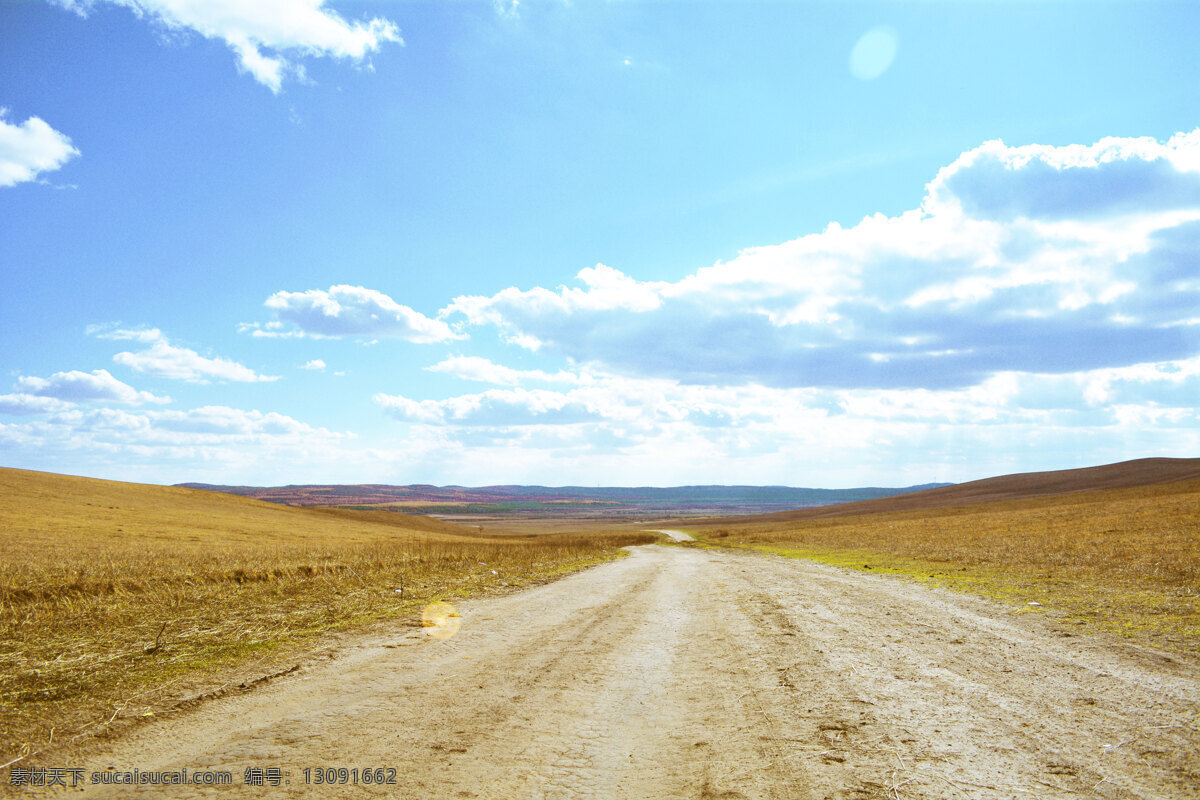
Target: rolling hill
<point>45,507</point>
<point>1020,486</point>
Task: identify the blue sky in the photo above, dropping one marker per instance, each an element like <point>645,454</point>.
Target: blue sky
<point>598,243</point>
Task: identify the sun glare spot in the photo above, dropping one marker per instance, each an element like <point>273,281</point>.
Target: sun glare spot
<point>440,620</point>
<point>874,53</point>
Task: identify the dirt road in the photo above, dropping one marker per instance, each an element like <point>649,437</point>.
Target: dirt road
<point>687,673</point>
<point>678,536</point>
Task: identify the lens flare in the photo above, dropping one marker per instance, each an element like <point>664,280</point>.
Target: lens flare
<point>874,53</point>
<point>440,620</point>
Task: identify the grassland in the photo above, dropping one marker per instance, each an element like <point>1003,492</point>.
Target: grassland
<point>1120,560</point>
<point>120,600</point>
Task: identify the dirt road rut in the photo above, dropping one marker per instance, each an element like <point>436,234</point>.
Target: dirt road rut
<point>687,673</point>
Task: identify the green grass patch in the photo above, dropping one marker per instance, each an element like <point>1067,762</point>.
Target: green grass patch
<point>996,584</point>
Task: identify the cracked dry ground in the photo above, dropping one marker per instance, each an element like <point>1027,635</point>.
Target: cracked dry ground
<point>687,673</point>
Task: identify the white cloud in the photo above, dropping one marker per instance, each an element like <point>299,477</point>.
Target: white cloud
<point>25,404</point>
<point>651,431</point>
<point>165,360</point>
<point>607,289</point>
<point>658,431</point>
<point>83,387</point>
<point>268,36</point>
<point>215,443</point>
<point>1038,311</point>
<point>225,421</point>
<point>269,330</point>
<point>495,408</point>
<point>1115,176</point>
<point>348,311</point>
<point>316,364</point>
<point>474,368</point>
<point>1042,260</point>
<point>206,425</point>
<point>29,149</point>
<point>110,331</point>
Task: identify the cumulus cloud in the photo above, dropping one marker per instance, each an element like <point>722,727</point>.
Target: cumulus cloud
<point>165,360</point>
<point>29,149</point>
<point>83,387</point>
<point>1041,300</point>
<point>1114,176</point>
<point>1083,259</point>
<point>316,364</point>
<point>267,36</point>
<point>348,311</point>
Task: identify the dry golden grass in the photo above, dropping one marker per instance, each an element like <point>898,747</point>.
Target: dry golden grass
<point>1123,560</point>
<point>117,599</point>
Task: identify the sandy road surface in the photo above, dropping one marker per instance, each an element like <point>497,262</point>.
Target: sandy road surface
<point>686,673</point>
<point>678,536</point>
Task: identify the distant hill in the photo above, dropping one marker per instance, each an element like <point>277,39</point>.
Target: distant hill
<point>1025,485</point>
<point>513,500</point>
<point>44,507</point>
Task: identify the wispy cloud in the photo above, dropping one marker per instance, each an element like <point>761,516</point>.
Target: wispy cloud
<point>82,387</point>
<point>28,404</point>
<point>507,8</point>
<point>217,441</point>
<point>267,36</point>
<point>755,431</point>
<point>494,408</point>
<point>31,148</point>
<point>165,360</point>
<point>474,368</point>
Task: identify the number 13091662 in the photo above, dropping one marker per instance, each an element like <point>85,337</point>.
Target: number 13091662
<point>355,775</point>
